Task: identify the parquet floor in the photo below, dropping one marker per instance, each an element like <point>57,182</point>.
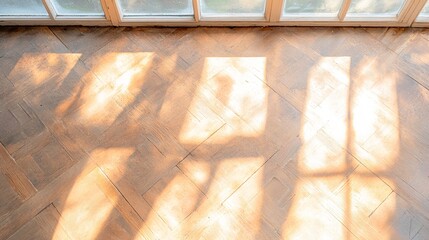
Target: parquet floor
<point>214,133</point>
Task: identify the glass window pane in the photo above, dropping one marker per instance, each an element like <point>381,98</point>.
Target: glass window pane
<point>312,6</point>
<point>22,7</point>
<point>233,7</point>
<point>389,7</point>
<point>157,7</point>
<point>78,7</point>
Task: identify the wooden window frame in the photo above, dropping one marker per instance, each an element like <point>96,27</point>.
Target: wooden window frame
<point>407,16</point>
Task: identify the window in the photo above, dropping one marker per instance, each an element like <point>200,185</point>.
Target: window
<point>375,7</point>
<point>156,7</point>
<point>78,7</point>
<point>231,8</point>
<point>22,8</point>
<point>296,7</point>
<point>399,13</point>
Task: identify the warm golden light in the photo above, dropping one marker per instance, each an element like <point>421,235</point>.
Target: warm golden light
<point>38,68</point>
<point>215,133</point>
<point>190,206</point>
<point>174,199</point>
<point>93,209</point>
<point>109,67</point>
<point>113,159</point>
<point>375,122</point>
<point>331,114</point>
<point>237,85</point>
<point>309,219</point>
<point>225,213</point>
<point>351,113</point>
<point>99,97</point>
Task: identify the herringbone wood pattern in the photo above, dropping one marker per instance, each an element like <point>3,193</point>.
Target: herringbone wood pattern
<point>214,133</point>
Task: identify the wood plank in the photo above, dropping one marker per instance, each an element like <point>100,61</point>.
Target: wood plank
<point>153,227</point>
<point>98,215</point>
<point>45,225</point>
<point>16,218</point>
<point>121,203</point>
<point>17,178</point>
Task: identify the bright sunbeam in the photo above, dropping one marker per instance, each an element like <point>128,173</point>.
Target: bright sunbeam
<point>114,82</point>
<point>94,207</point>
<point>225,178</point>
<point>375,120</point>
<point>327,100</point>
<point>321,165</point>
<point>237,86</point>
<point>335,190</point>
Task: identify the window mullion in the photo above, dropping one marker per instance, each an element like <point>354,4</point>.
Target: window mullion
<point>112,11</point>
<point>276,10</point>
<point>411,11</point>
<point>197,10</point>
<point>344,9</point>
<point>50,9</point>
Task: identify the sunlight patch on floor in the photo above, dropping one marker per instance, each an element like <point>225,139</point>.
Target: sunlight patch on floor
<point>38,68</point>
<point>102,97</point>
<point>237,83</point>
<point>334,192</point>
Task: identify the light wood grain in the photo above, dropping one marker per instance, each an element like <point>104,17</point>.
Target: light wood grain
<point>15,175</point>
